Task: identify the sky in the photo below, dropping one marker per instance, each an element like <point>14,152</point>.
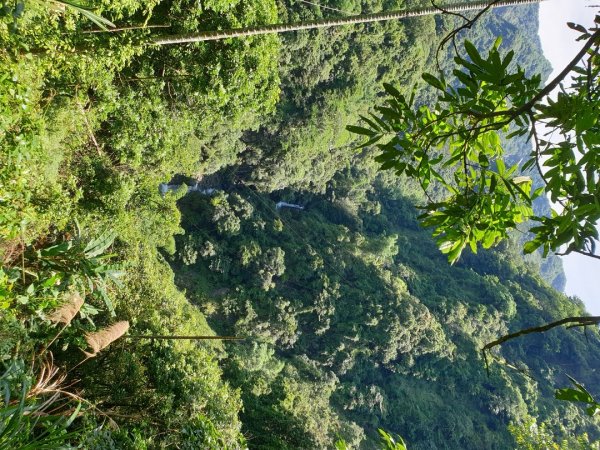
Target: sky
<point>559,46</point>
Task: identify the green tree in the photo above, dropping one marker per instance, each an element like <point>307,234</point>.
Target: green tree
<point>454,149</point>
<point>456,146</point>
<point>388,442</point>
<point>529,435</point>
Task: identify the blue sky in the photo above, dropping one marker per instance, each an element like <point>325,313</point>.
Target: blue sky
<point>558,43</point>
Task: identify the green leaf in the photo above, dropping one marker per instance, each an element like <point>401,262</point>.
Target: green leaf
<point>97,246</point>
<point>493,183</point>
<point>73,416</point>
<point>573,395</point>
<point>107,301</point>
<point>585,121</point>
<point>97,19</point>
<point>539,191</point>
<point>446,246</point>
<point>507,59</point>
<point>501,167</point>
<point>592,410</point>
<point>392,90</point>
<point>580,394</point>
<point>455,253</point>
<point>497,43</point>
<point>531,246</point>
<point>371,141</point>
<point>360,130</point>
<point>372,124</point>
<point>341,445</point>
<point>388,165</point>
<point>489,238</point>
<point>473,53</point>
<point>577,27</point>
<point>433,81</point>
<point>473,245</point>
<point>55,250</point>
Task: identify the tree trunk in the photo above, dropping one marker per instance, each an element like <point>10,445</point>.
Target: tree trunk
<point>282,28</point>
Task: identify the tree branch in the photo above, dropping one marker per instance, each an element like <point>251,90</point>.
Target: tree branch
<point>560,77</point>
<point>467,25</point>
<point>576,321</point>
<point>581,252</point>
<point>527,107</point>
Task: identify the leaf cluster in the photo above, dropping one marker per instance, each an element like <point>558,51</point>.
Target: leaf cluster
<point>456,144</point>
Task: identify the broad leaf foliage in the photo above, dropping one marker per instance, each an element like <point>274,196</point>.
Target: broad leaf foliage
<point>455,146</point>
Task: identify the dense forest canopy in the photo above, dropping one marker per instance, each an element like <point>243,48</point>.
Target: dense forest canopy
<point>212,189</point>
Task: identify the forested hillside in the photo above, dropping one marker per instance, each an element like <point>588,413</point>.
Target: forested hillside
<point>288,237</point>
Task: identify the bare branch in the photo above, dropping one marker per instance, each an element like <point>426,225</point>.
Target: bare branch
<point>581,252</point>
<point>467,25</point>
<point>582,321</point>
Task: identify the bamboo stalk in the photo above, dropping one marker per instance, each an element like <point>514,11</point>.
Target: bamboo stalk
<point>223,338</point>
<point>366,18</point>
